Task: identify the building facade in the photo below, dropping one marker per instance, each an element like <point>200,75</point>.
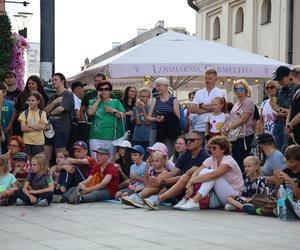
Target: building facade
<point>265,27</point>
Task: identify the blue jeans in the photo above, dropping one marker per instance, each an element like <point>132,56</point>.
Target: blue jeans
<point>281,140</point>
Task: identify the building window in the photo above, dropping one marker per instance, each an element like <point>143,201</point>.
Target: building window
<point>266,10</point>
<point>239,20</point>
<point>216,34</point>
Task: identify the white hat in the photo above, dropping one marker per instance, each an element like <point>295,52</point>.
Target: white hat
<point>123,144</point>
<point>162,80</point>
<point>49,131</point>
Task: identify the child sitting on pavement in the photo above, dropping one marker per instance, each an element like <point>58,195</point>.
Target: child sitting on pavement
<point>253,183</point>
<point>291,176</point>
<point>137,172</point>
<point>20,167</point>
<point>77,169</point>
<point>8,183</point>
<point>38,188</point>
<point>102,183</point>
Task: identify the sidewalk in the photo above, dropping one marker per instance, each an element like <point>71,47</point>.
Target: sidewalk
<point>98,226</point>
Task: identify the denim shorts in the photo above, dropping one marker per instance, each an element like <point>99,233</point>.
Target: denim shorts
<point>59,140</point>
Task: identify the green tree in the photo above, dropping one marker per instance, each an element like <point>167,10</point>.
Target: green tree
<point>6,44</point>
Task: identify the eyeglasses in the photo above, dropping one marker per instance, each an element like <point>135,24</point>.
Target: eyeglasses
<point>192,139</point>
<point>103,89</point>
<point>213,147</point>
<point>270,87</point>
<point>13,146</point>
<point>239,90</point>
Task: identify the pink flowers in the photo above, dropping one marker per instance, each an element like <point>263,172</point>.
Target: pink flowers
<point>17,59</point>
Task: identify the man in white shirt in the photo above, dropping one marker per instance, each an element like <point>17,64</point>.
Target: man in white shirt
<point>203,97</point>
<point>78,91</point>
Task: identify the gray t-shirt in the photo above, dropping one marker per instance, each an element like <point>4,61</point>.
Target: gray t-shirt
<point>62,123</point>
<point>274,161</point>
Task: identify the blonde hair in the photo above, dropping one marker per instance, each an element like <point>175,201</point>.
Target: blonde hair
<point>4,164</point>
<point>245,85</point>
<point>144,90</point>
<point>64,152</point>
<point>255,161</point>
<point>273,83</point>
<point>160,156</point>
<point>42,162</point>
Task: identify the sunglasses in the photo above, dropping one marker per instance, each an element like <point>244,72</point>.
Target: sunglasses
<point>239,90</point>
<point>270,87</point>
<point>103,89</point>
<point>191,139</point>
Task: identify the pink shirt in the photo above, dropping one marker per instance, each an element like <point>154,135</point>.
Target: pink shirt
<point>247,106</point>
<point>234,177</point>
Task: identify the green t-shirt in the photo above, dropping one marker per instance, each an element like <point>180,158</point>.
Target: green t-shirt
<point>106,125</point>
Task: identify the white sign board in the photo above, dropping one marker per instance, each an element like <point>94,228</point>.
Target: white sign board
<point>33,60</point>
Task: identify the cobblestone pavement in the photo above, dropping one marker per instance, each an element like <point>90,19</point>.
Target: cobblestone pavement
<point>113,226</point>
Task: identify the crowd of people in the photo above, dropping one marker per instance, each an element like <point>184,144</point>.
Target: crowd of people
<point>146,149</point>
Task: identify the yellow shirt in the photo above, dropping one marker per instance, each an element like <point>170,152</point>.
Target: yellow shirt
<point>34,137</point>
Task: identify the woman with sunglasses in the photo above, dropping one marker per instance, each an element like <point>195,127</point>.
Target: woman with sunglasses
<point>107,120</point>
<point>219,173</point>
<point>267,117</point>
<point>242,116</point>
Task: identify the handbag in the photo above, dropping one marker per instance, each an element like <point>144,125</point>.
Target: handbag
<point>234,134</point>
<point>125,136</point>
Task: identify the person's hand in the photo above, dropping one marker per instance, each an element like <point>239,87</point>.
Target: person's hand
<point>118,167</point>
<point>189,184</point>
<point>188,193</point>
<point>128,113</point>
<point>33,199</point>
<point>82,186</point>
<point>153,181</point>
<point>109,109</point>
<point>67,161</point>
<point>160,118</point>
<point>284,176</point>
<point>32,191</point>
<point>69,168</point>
<point>289,131</point>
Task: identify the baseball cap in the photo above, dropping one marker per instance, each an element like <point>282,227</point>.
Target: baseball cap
<point>296,69</point>
<point>103,150</point>
<point>77,84</point>
<point>80,144</point>
<point>281,72</point>
<point>20,156</point>
<point>123,144</point>
<point>265,139</point>
<point>158,146</point>
<point>139,149</point>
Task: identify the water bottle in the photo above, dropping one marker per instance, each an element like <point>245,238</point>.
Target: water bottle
<point>289,192</point>
<point>281,208</point>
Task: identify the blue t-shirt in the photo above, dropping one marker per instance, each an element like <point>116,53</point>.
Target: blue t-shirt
<point>186,162</point>
<point>7,181</point>
<point>274,161</point>
<point>7,112</point>
<point>139,170</point>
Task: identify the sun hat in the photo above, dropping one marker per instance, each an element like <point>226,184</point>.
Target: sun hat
<point>123,144</point>
<point>158,146</point>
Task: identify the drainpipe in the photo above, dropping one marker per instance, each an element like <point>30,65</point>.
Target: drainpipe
<point>192,5</point>
<point>290,31</point>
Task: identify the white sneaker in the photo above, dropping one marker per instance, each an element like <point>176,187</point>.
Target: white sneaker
<point>42,203</point>
<point>180,203</point>
<point>133,200</point>
<point>189,205</point>
<point>20,202</point>
<point>229,207</point>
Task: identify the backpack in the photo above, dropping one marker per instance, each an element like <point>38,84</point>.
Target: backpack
<point>27,112</point>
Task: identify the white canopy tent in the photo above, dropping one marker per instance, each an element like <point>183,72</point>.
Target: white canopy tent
<point>176,54</point>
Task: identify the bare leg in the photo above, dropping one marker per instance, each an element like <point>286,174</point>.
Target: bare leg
<point>197,198</point>
<point>235,203</point>
<point>48,152</point>
<point>177,189</point>
<point>148,191</point>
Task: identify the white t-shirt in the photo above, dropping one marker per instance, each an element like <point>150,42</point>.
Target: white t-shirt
<point>77,102</point>
<point>202,96</point>
<point>216,122</point>
<point>268,116</point>
<point>234,177</point>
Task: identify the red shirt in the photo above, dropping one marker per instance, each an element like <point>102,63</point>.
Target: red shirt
<point>86,169</point>
<point>113,186</point>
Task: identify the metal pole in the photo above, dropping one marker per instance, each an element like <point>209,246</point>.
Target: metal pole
<point>47,39</point>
